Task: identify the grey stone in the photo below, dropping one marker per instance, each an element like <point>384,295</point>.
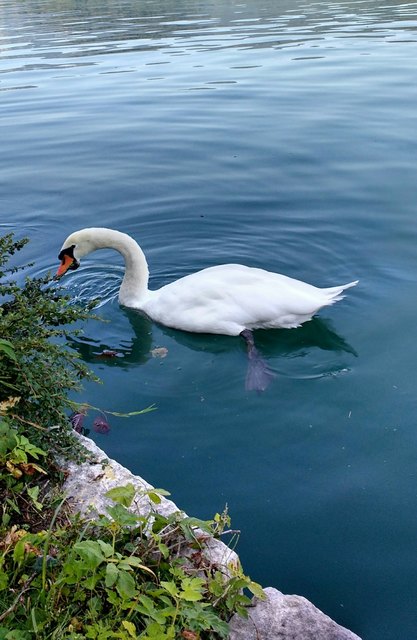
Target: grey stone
<point>87,483</point>
<point>282,617</point>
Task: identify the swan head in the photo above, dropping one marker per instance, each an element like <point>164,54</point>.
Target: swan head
<point>76,246</point>
<point>134,286</point>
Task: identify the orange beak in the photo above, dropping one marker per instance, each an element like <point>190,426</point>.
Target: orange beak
<point>65,265</point>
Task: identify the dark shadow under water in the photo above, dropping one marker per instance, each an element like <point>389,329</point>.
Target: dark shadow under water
<point>317,333</point>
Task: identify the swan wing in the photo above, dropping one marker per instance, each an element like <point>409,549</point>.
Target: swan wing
<point>229,298</point>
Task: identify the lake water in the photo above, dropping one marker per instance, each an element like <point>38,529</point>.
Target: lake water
<point>280,134</point>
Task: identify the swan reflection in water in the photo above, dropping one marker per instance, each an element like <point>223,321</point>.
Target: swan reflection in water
<point>273,343</point>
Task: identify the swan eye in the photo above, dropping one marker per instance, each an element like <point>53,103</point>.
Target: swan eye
<point>68,261</point>
<point>68,251</point>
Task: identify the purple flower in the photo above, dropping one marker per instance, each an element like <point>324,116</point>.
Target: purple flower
<point>77,419</point>
<point>100,425</point>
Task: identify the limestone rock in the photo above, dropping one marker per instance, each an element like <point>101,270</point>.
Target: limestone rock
<point>88,482</point>
<point>282,617</point>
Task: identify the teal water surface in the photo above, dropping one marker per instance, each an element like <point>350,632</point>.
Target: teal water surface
<point>277,134</point>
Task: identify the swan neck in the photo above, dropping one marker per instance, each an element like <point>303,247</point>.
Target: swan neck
<point>134,285</point>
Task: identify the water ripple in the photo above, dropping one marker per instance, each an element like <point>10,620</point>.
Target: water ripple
<point>48,42</point>
<point>94,283</point>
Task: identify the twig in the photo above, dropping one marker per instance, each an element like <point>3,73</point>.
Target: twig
<point>32,424</point>
<point>235,532</point>
<point>17,600</point>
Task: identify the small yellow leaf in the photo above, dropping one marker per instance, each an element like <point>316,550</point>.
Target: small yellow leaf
<point>130,628</point>
<point>15,471</point>
<point>5,405</point>
<point>12,536</point>
<point>109,472</point>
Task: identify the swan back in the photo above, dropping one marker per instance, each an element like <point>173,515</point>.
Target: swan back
<point>229,298</point>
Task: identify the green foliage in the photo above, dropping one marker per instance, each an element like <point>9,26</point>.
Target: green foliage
<point>37,371</point>
<point>18,464</point>
<point>107,579</point>
<point>7,350</point>
<point>36,368</point>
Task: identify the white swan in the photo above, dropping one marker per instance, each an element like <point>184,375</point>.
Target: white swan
<point>229,299</point>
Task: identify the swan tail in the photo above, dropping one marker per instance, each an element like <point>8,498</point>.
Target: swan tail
<point>334,294</point>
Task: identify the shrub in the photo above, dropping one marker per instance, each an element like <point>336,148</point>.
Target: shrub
<point>37,370</point>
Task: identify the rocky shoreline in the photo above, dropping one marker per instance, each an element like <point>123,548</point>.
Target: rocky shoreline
<point>279,616</point>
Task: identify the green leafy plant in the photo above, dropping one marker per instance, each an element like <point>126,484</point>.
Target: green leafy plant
<point>16,452</point>
<point>37,373</point>
<point>123,576</point>
<point>6,348</point>
<point>36,366</point>
<point>19,463</point>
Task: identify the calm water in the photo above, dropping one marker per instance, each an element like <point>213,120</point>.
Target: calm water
<point>281,134</point>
